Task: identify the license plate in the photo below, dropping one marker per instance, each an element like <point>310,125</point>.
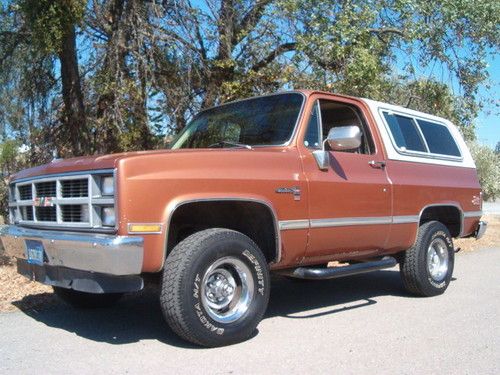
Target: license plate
<point>34,251</point>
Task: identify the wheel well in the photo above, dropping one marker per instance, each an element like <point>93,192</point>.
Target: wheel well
<point>255,220</point>
<point>450,216</point>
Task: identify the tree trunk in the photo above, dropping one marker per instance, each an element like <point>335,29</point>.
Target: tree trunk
<point>74,118</point>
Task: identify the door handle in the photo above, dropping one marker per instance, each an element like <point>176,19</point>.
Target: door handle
<point>377,164</point>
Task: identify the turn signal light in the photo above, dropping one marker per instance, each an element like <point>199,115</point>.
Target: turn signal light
<point>144,228</point>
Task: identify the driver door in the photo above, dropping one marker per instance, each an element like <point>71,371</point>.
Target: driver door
<point>350,203</point>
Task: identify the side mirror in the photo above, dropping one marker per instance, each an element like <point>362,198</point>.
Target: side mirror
<point>344,138</point>
<point>339,139</point>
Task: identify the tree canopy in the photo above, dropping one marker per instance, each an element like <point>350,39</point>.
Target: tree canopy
<point>111,75</point>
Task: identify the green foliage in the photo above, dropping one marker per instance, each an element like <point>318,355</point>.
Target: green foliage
<point>488,169</point>
<point>11,160</point>
<point>48,20</point>
<point>147,67</point>
<point>355,46</point>
<point>9,153</point>
<point>436,98</point>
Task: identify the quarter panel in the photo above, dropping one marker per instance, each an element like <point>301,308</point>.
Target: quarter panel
<point>417,185</point>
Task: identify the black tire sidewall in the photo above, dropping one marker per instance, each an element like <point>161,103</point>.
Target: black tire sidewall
<point>222,245</point>
<point>436,230</point>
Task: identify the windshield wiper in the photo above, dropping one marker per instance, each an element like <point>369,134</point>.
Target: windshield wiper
<point>229,143</point>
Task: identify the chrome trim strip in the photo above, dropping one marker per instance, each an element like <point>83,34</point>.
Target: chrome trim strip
<point>340,222</point>
<point>473,214</point>
<point>294,224</point>
<point>100,230</point>
<point>115,255</point>
<point>227,199</point>
<point>405,219</point>
<point>345,221</point>
<point>57,175</point>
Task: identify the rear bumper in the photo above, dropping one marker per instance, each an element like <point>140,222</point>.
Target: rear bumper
<point>481,229</point>
<point>90,252</point>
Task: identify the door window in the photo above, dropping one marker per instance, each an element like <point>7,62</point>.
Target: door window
<point>328,114</point>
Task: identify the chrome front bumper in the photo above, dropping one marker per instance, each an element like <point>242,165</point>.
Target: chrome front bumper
<point>102,253</point>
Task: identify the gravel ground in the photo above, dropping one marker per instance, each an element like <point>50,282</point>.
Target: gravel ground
<point>361,325</point>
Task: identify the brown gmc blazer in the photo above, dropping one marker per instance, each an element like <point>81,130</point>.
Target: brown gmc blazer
<point>285,183</point>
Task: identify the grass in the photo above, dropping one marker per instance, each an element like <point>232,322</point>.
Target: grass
<point>17,292</point>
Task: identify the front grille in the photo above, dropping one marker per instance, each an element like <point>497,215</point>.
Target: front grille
<point>74,213</point>
<point>75,188</point>
<point>45,189</point>
<point>46,213</point>
<point>67,201</point>
<point>25,192</point>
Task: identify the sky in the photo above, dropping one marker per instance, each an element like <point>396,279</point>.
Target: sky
<point>488,122</point>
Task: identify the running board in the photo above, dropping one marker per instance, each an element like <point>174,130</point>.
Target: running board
<point>324,273</point>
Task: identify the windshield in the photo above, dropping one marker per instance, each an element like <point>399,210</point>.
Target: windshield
<point>262,121</point>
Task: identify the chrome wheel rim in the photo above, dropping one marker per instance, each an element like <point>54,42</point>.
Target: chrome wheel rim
<point>227,289</point>
<point>437,259</point>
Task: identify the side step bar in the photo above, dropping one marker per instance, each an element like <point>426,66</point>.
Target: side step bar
<point>324,273</point>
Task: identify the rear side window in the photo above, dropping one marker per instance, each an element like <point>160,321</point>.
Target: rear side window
<point>438,138</point>
<point>405,132</point>
<point>426,137</point>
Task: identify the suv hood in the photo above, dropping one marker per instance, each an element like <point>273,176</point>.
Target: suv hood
<point>83,163</point>
<point>99,162</point>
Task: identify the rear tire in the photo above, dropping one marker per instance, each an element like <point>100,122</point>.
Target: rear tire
<point>427,267</point>
<point>215,287</point>
<point>84,300</point>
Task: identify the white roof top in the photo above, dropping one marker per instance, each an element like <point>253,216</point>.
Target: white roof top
<point>394,153</point>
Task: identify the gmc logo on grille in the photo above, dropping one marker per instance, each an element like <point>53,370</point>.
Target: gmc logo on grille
<point>44,202</point>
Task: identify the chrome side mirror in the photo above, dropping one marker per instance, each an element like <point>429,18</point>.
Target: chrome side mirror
<point>339,139</point>
<point>344,138</point>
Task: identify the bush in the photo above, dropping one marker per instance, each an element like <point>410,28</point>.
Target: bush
<point>12,159</point>
<point>488,169</point>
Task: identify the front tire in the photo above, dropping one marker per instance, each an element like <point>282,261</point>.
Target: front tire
<point>215,287</point>
<point>427,267</point>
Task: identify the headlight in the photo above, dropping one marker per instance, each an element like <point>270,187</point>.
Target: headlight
<point>108,185</point>
<point>108,216</point>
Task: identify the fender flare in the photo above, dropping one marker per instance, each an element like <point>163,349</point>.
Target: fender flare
<point>181,201</point>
